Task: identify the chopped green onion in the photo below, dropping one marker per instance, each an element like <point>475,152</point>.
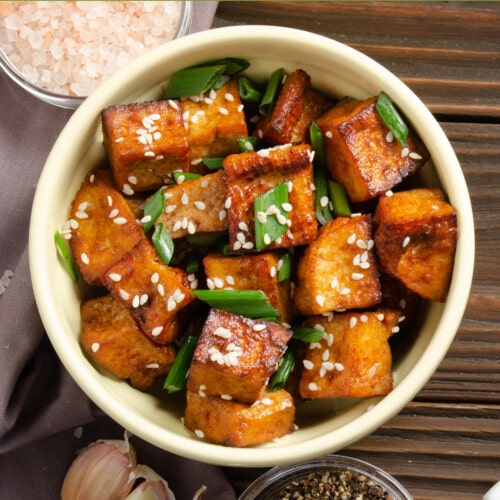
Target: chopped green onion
<point>194,81</point>
<point>270,218</point>
<point>272,88</point>
<point>180,177</point>
<point>176,378</point>
<point>247,144</point>
<point>248,91</point>
<point>193,261</point>
<point>163,243</point>
<point>306,334</point>
<point>322,200</point>
<point>286,365</point>
<point>391,117</point>
<point>234,65</point>
<point>64,253</point>
<point>249,303</point>
<point>285,269</point>
<point>153,209</point>
<point>317,143</point>
<point>340,202</point>
<point>213,163</point>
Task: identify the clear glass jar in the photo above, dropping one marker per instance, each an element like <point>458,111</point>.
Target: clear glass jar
<point>268,486</point>
<point>43,91</point>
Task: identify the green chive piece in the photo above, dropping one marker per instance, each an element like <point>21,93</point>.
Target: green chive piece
<point>247,144</point>
<point>285,269</point>
<point>306,334</point>
<point>272,89</point>
<point>163,243</point>
<point>234,65</point>
<point>322,199</point>
<point>194,81</point>
<point>248,91</point>
<point>193,262</point>
<point>180,177</point>
<point>249,303</point>
<point>391,117</point>
<point>153,209</point>
<point>317,143</point>
<point>270,217</point>
<point>64,253</point>
<point>177,376</point>
<point>213,163</point>
<point>287,363</point>
<point>340,202</point>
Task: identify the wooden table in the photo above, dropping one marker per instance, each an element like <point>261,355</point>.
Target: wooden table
<point>445,443</point>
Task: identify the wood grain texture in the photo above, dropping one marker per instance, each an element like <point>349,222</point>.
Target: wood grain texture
<point>445,443</point>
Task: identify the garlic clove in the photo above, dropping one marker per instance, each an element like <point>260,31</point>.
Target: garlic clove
<point>102,471</point>
<point>153,488</point>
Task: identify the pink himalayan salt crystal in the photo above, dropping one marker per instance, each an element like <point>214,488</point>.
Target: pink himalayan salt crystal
<point>69,48</point>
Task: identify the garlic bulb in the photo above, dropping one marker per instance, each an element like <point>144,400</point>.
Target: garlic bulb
<point>153,488</point>
<point>102,471</point>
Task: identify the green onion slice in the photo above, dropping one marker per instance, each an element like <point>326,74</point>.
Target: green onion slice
<point>391,117</point>
<point>287,363</point>
<point>247,144</point>
<point>322,199</point>
<point>180,177</point>
<point>248,91</point>
<point>64,253</point>
<point>176,378</point>
<point>234,65</point>
<point>271,92</point>
<point>285,269</point>
<point>317,143</point>
<point>340,202</point>
<point>193,262</point>
<point>306,333</point>
<point>163,243</point>
<point>153,209</point>
<point>249,303</point>
<point>194,81</point>
<point>213,163</point>
<point>270,217</point>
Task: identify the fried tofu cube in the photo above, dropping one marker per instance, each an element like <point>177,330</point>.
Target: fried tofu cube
<point>145,142</point>
<point>251,272</point>
<point>103,226</point>
<point>114,341</point>
<point>338,270</point>
<point>231,423</point>
<point>297,106</point>
<point>249,175</point>
<point>416,237</point>
<point>361,155</point>
<point>214,122</point>
<point>195,206</point>
<point>235,356</point>
<point>153,292</point>
<point>353,360</point>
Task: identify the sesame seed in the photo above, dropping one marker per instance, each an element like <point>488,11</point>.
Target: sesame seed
<point>113,213</point>
<point>143,299</point>
<point>124,294</point>
<point>361,244</point>
<point>146,219</point>
<point>156,331</point>
<point>266,401</point>
<point>313,386</point>
<point>267,239</point>
<point>210,284</point>
<point>259,327</point>
<point>177,225</point>
<point>395,329</point>
<point>353,321</point>
<point>170,208</point>
<point>415,156</point>
<point>222,332</point>
<point>84,258</point>
<point>402,303</point>
<point>389,137</point>
<point>135,301</point>
<point>115,277</point>
<point>328,134</point>
<point>236,246</point>
<point>199,433</point>
<point>95,347</point>
<point>226,397</point>
<point>161,290</point>
<point>389,193</point>
<point>218,283</point>
<point>120,220</point>
<point>405,152</point>
<point>339,367</point>
<point>171,304</point>
<point>191,228</point>
<point>357,276</point>
<point>405,242</point>
<point>184,199</point>
<point>229,97</point>
<point>324,201</point>
<point>149,154</point>
<point>200,205</point>
<point>153,366</point>
<point>345,291</point>
<point>132,179</point>
<point>127,189</point>
<point>119,139</point>
<point>272,271</point>
<point>82,215</point>
<point>351,239</point>
<point>227,203</point>
<point>223,111</point>
<point>230,280</point>
<point>308,365</point>
<point>264,153</point>
<point>380,316</point>
<point>334,283</point>
<point>287,207</point>
<point>248,245</point>
<point>222,215</point>
<point>243,226</point>
<point>328,365</point>
<point>155,277</point>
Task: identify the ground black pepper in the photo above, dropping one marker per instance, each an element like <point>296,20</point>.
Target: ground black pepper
<point>331,484</point>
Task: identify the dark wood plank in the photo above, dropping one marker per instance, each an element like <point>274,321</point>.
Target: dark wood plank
<point>454,70</point>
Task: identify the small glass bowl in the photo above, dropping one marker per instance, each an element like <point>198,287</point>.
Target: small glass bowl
<point>268,486</point>
<point>71,101</point>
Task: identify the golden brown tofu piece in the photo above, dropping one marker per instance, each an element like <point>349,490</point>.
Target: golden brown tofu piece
<point>338,270</point>
<point>248,175</point>
<point>153,292</point>
<point>214,121</point>
<point>232,423</point>
<point>112,338</point>
<point>353,360</point>
<point>145,142</point>
<point>359,153</point>
<point>104,227</point>
<point>235,356</point>
<point>297,106</point>
<point>251,272</point>
<point>416,237</point>
<point>195,206</point>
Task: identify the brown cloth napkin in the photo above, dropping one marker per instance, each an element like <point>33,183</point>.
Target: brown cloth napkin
<point>44,417</point>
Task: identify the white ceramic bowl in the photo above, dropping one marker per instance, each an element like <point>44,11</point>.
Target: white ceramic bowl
<point>335,69</point>
<point>42,91</point>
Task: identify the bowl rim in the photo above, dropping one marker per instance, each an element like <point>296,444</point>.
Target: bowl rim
<point>73,102</point>
<point>335,439</point>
